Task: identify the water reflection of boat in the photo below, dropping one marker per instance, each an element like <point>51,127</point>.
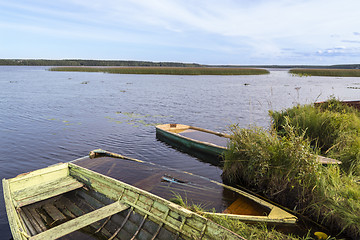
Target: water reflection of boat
<point>193,139</point>
<point>68,201</point>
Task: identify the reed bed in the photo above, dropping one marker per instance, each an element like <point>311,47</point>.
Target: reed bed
<point>284,169</point>
<point>327,72</point>
<point>167,70</point>
<point>332,127</point>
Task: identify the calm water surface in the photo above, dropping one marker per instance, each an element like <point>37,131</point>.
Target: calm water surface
<point>50,117</point>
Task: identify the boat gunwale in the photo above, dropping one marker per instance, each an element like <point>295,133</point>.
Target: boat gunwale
<point>17,226</point>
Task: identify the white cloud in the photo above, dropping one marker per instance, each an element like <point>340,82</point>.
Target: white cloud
<point>258,28</point>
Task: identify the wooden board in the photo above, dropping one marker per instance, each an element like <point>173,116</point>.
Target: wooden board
<point>41,191</point>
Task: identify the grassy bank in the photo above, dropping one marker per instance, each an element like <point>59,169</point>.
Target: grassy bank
<point>167,70</point>
<point>327,72</point>
<point>332,127</point>
<point>285,170</point>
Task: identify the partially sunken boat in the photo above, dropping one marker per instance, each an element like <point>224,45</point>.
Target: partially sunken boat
<point>68,201</point>
<point>194,139</point>
<point>171,184</point>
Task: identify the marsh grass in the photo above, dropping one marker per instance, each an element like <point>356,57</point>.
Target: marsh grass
<point>248,231</point>
<point>327,72</point>
<point>255,231</point>
<point>284,170</point>
<point>278,166</point>
<point>331,127</point>
<point>167,70</point>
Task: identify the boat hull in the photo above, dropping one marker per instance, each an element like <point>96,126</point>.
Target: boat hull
<point>190,145</point>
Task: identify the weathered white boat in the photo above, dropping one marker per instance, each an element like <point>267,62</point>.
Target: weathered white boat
<point>68,201</point>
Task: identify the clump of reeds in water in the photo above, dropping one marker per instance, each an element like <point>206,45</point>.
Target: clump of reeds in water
<point>167,70</point>
<point>278,166</point>
<point>285,170</point>
<point>331,126</point>
<point>327,72</point>
<point>280,163</point>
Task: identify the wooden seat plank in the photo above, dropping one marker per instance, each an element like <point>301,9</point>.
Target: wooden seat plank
<point>44,191</point>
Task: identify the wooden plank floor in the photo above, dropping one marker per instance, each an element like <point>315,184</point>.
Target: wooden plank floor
<point>39,217</point>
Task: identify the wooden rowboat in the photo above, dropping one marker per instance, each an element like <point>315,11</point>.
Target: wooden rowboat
<point>193,139</point>
<point>68,201</point>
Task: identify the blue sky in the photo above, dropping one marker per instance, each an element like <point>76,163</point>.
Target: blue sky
<point>202,31</point>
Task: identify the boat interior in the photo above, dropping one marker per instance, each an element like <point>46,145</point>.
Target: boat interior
<point>171,184</point>
<point>199,134</point>
<point>53,212</point>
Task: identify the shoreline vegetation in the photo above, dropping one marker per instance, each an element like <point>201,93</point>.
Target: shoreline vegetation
<point>326,72</point>
<point>280,163</point>
<point>340,70</point>
<point>166,70</point>
<point>104,63</point>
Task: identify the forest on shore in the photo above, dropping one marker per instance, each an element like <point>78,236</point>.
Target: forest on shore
<point>85,62</point>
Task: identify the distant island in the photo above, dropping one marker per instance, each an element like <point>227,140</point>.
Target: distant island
<point>126,63</point>
<point>90,63</point>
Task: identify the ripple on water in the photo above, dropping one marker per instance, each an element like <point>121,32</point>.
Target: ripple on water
<point>48,117</point>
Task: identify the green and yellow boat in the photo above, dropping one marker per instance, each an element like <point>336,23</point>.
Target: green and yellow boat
<point>193,139</point>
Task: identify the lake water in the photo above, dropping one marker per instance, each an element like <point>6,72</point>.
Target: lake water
<point>49,117</point>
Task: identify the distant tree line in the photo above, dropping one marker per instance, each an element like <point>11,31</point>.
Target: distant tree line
<point>107,63</point>
<point>80,62</point>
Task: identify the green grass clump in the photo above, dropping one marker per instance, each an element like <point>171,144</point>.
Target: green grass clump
<point>332,127</point>
<point>327,72</point>
<point>278,166</point>
<point>284,169</point>
<point>167,70</point>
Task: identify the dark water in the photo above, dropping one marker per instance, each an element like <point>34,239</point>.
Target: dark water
<point>49,117</point>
